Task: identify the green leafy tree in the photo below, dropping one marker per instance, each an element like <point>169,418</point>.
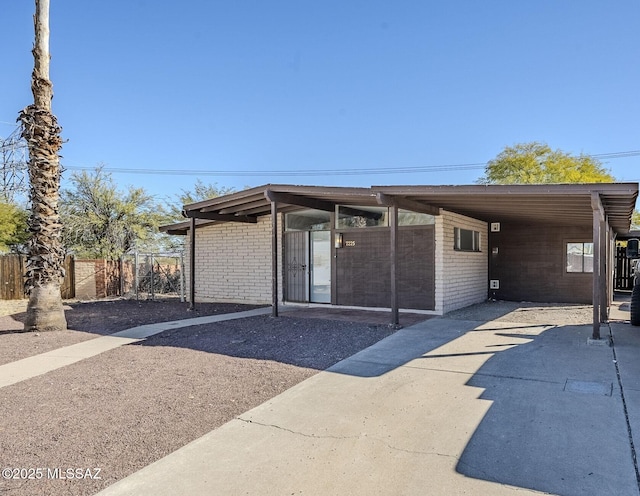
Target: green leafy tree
<point>635,221</point>
<point>13,226</point>
<point>102,222</point>
<point>200,192</point>
<point>537,163</point>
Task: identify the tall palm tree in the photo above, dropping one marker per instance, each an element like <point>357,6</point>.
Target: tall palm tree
<point>45,250</point>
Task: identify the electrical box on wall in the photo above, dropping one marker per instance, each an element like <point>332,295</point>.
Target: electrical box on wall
<point>494,284</point>
<point>495,227</point>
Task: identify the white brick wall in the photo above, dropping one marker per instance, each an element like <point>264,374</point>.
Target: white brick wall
<point>461,277</point>
<point>233,262</point>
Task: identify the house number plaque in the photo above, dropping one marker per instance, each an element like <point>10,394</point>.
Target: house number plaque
<point>349,243</point>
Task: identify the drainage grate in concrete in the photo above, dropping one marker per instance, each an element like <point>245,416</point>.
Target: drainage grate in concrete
<point>585,387</point>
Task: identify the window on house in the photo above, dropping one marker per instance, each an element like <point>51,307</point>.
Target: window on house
<point>579,257</point>
<point>359,217</point>
<point>307,220</point>
<point>466,240</point>
<point>406,218</point>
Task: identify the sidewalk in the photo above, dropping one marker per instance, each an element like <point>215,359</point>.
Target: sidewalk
<point>443,407</point>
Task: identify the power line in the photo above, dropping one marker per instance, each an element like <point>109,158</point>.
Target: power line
<point>604,156</point>
<point>309,172</point>
<point>323,172</point>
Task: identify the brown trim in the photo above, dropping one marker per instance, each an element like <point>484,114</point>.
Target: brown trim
<point>198,214</point>
<point>604,307</point>
<point>274,259</point>
<point>512,189</point>
<point>192,265</point>
<point>334,257</point>
<point>393,225</point>
<point>596,205</point>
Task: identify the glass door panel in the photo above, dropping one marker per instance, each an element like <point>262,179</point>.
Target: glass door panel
<point>320,267</point>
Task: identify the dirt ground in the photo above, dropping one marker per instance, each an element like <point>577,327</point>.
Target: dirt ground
<point>526,313</point>
<point>86,320</point>
<point>123,409</point>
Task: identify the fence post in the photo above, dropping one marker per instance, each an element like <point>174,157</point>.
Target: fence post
<point>121,275</point>
<point>135,273</point>
<point>153,291</point>
<point>181,278</point>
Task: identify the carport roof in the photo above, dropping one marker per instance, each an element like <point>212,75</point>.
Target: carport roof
<point>547,203</point>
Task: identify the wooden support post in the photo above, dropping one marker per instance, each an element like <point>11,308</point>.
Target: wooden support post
<point>612,265</point>
<point>274,259</point>
<point>192,265</point>
<point>597,215</point>
<point>393,224</point>
<point>604,271</point>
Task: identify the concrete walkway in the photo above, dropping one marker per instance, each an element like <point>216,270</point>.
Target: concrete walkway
<point>443,407</point>
<point>33,366</point>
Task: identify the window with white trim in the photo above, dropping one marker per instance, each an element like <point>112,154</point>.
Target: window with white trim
<point>579,257</point>
<point>466,239</point>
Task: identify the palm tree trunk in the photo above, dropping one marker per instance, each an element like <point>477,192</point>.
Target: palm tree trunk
<point>40,129</point>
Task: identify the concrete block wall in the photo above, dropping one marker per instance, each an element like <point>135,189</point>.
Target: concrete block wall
<point>107,278</point>
<point>85,272</point>
<point>461,277</point>
<point>233,262</point>
<point>96,278</point>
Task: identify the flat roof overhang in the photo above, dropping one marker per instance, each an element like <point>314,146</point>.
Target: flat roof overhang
<point>566,204</point>
<point>559,204</point>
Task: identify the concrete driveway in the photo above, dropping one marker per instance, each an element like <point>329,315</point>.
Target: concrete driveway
<point>445,406</point>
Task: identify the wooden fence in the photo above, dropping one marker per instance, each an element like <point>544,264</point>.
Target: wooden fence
<point>12,277</point>
<point>623,279</point>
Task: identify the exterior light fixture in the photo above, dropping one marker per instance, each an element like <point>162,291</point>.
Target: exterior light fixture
<point>339,241</point>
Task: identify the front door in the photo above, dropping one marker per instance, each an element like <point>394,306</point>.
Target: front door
<point>308,266</point>
<point>320,287</point>
<point>296,266</point>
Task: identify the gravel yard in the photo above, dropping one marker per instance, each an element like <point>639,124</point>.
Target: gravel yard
<point>86,320</point>
<point>125,408</point>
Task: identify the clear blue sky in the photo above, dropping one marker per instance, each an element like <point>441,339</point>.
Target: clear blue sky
<point>263,86</point>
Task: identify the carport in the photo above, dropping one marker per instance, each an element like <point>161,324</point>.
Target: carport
<point>604,209</point>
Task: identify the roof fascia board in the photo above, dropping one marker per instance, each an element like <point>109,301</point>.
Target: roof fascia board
<point>512,189</point>
<point>220,217</point>
<point>182,228</point>
<point>327,192</point>
<point>226,199</point>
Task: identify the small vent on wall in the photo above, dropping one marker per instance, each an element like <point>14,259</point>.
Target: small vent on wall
<point>494,284</point>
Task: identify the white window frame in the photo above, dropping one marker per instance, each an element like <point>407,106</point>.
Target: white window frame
<point>458,240</point>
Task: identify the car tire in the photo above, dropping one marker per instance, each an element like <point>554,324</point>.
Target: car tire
<point>635,303</point>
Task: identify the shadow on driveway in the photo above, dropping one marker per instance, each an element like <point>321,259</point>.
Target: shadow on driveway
<point>556,423</point>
